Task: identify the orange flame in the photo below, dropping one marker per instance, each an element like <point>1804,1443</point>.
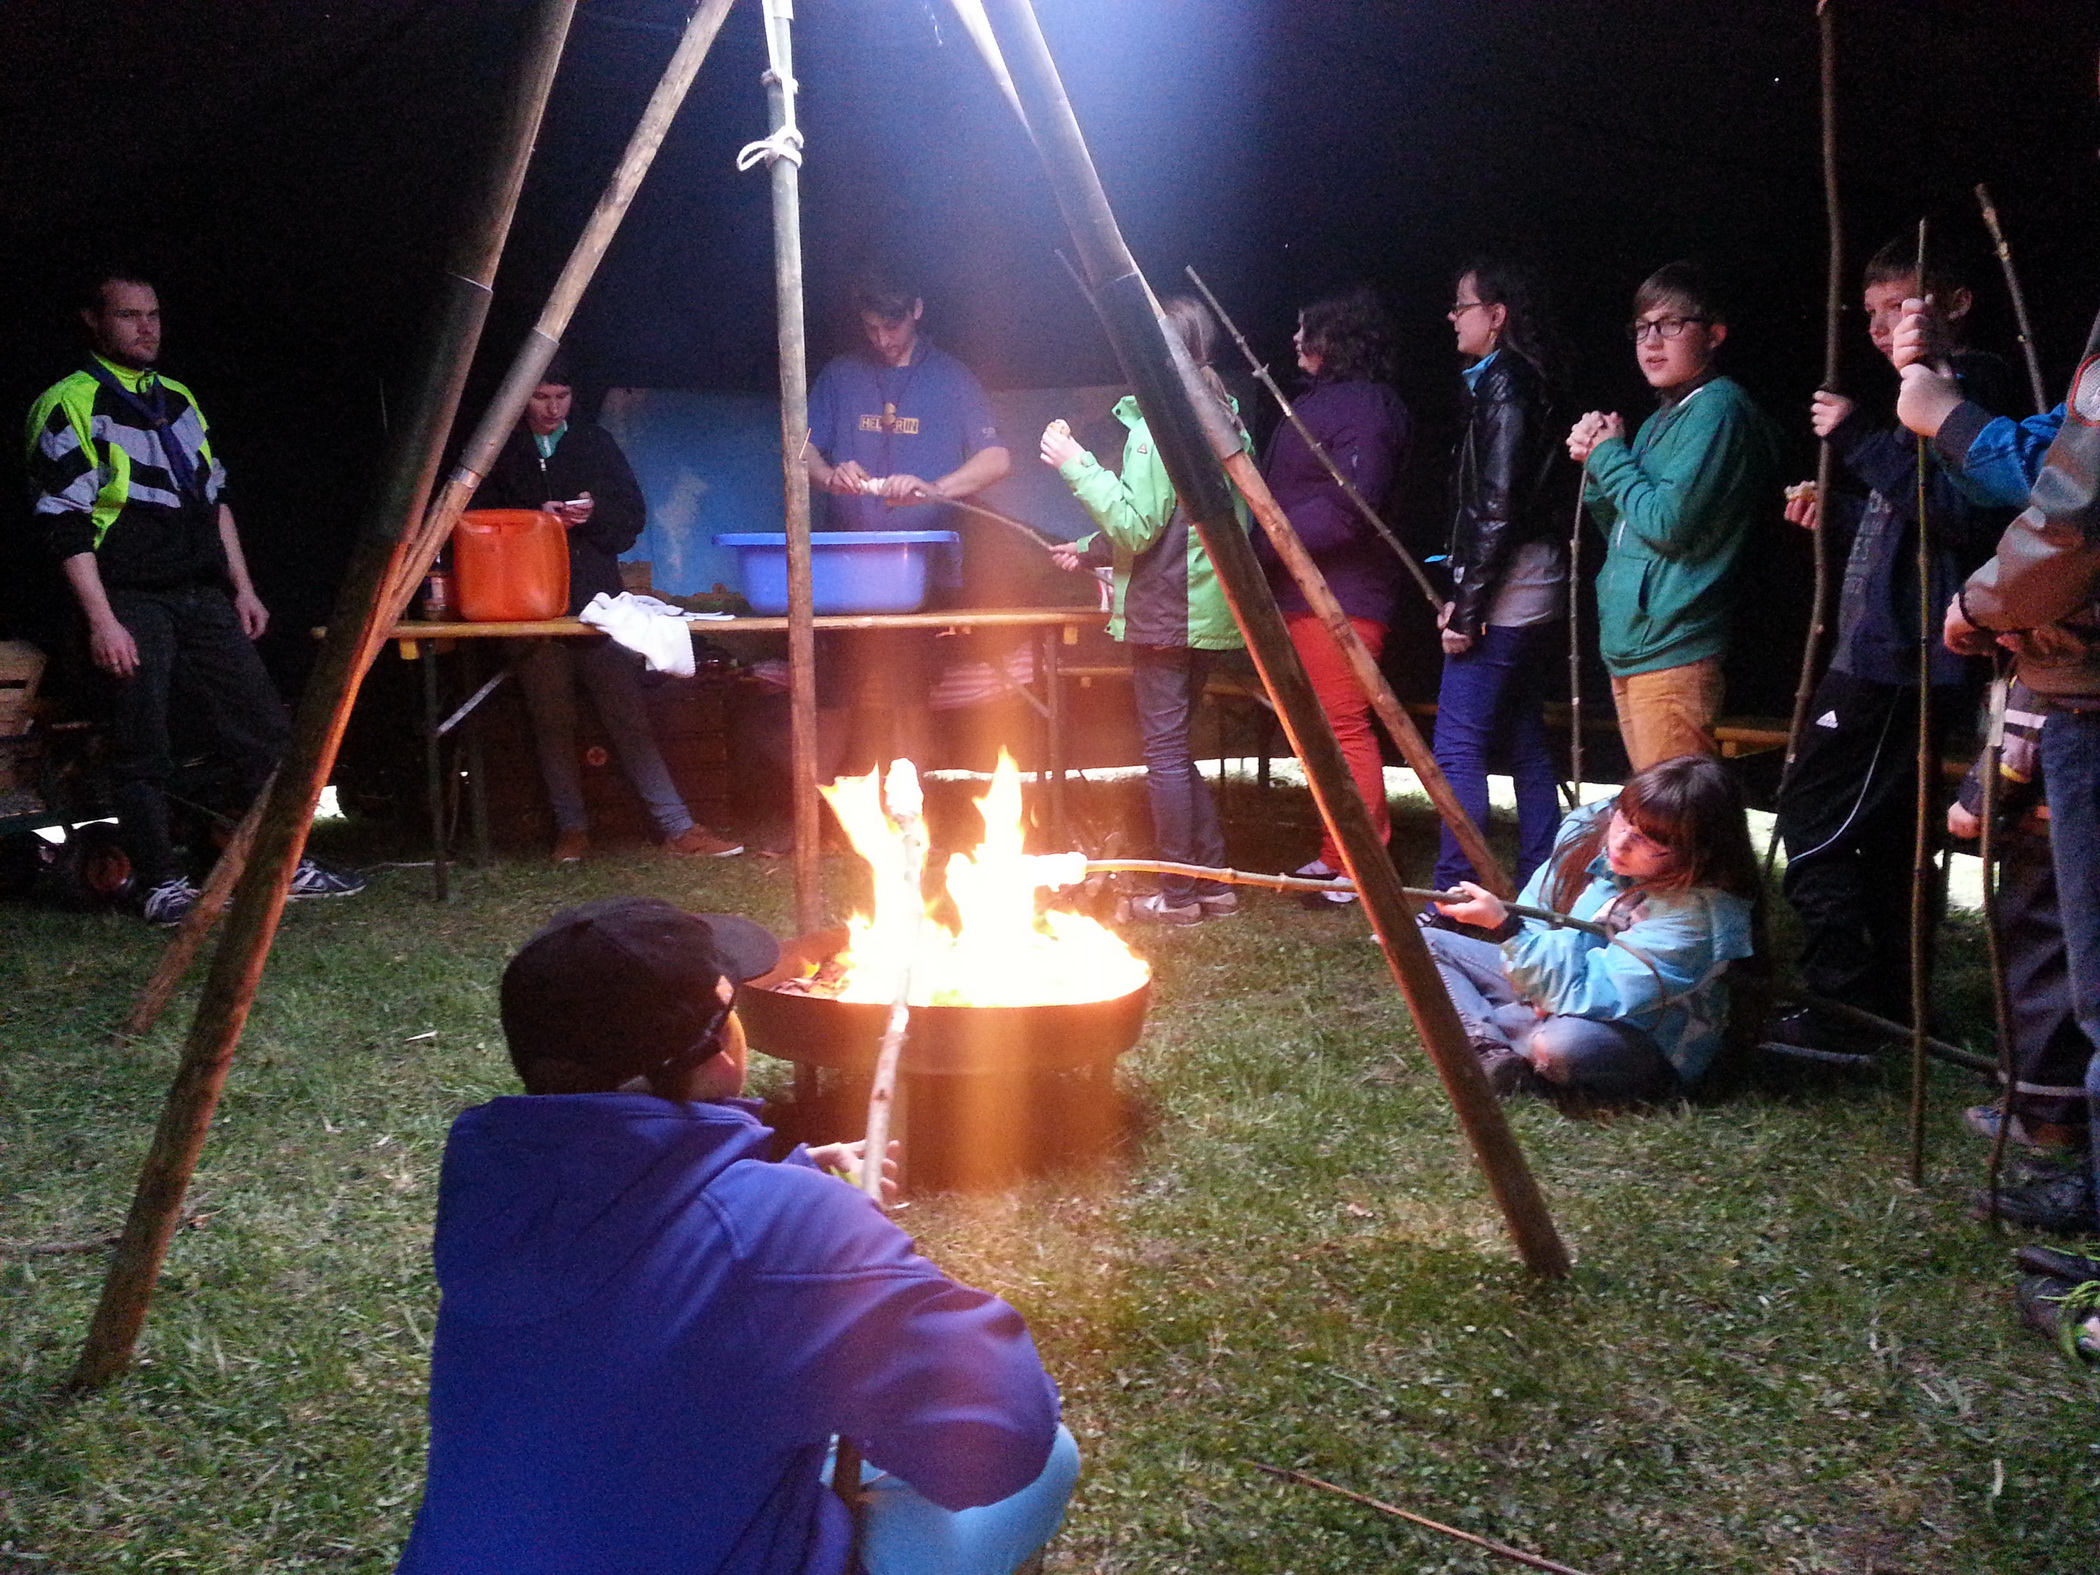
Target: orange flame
<point>1005,953</point>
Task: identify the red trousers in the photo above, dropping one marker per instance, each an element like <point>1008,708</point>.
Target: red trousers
<point>1348,710</point>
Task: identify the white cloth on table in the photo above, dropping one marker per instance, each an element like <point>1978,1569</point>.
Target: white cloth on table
<point>654,629</point>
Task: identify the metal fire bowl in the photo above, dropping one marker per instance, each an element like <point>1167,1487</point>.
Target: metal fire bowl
<point>955,1041</point>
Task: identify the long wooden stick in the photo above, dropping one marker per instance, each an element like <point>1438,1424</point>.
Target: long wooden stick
<point>1833,312</point>
<point>2021,322</point>
<point>782,151</point>
<point>2001,998</point>
<point>1194,434</point>
<point>1921,842</point>
<point>1501,1550</point>
<point>907,812</point>
<point>1414,748</point>
<point>1357,500</point>
<point>1582,483</point>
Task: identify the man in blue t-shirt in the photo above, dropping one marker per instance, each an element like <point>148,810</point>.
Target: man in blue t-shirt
<point>896,429</point>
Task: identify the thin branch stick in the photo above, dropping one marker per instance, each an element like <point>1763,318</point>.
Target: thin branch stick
<point>1833,311</point>
<point>2021,321</point>
<point>2001,998</point>
<point>61,1249</point>
<point>1340,884</point>
<point>1575,635</point>
<point>907,809</point>
<point>1290,414</point>
<point>1501,1550</point>
<point>1921,843</point>
<point>1040,538</point>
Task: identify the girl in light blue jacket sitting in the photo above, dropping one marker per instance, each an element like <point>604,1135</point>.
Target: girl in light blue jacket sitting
<point>1666,867</point>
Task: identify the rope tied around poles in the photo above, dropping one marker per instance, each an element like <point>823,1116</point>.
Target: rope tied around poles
<point>785,141</point>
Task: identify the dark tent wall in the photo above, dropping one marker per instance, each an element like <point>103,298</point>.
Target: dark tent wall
<point>288,171</point>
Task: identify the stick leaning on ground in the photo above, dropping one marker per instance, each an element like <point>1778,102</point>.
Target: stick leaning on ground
<point>1501,1550</point>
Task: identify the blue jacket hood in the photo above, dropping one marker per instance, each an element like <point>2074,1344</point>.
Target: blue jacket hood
<point>545,1198</point>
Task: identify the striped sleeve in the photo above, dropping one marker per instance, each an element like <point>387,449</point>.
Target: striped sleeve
<point>63,474</point>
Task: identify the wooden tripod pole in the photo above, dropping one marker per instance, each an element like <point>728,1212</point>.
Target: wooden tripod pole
<point>1582,484</point>
<point>1356,499</point>
<point>1921,915</point>
<point>782,150</point>
<point>2001,997</point>
<point>1194,433</point>
<point>412,558</point>
<point>1833,311</point>
<point>2021,321</point>
<point>280,836</point>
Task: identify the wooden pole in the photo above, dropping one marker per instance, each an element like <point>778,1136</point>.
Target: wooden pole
<point>259,895</point>
<point>189,936</point>
<point>1501,1550</point>
<point>1356,499</point>
<point>1320,596</point>
<point>2001,998</point>
<point>1582,483</point>
<point>1194,435</point>
<point>1921,843</point>
<point>783,151</point>
<point>2021,321</point>
<point>1833,311</point>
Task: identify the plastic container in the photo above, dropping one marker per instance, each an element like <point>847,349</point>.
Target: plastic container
<point>851,571</point>
<point>510,566</point>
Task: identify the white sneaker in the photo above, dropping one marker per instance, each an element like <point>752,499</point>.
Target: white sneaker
<point>171,902</point>
<point>318,880</point>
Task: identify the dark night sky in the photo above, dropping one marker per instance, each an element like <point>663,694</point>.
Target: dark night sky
<point>289,169</point>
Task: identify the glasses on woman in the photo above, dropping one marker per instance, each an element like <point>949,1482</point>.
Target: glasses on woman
<point>1460,308</point>
<point>1661,327</point>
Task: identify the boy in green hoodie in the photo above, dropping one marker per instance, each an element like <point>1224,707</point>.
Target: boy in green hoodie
<point>1676,506</point>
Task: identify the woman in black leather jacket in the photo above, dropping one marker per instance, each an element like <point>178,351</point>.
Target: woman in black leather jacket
<point>1507,561</point>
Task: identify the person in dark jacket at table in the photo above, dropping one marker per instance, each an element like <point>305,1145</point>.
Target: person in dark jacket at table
<point>576,472</point>
<point>1507,562</point>
<point>1344,346</point>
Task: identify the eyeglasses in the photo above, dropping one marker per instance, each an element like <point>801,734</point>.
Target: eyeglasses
<point>1460,308</point>
<point>1661,327</point>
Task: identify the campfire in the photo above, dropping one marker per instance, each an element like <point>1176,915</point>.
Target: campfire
<point>1000,947</point>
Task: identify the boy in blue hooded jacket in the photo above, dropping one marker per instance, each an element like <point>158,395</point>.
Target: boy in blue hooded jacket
<point>649,1334</point>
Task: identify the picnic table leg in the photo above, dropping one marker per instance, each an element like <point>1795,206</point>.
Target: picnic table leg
<point>434,774</point>
<point>477,779</point>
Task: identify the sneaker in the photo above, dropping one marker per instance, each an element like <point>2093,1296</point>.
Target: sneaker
<point>2048,1136</point>
<point>699,842</point>
<point>2061,1204</point>
<point>1322,901</point>
<point>312,879</point>
<point>2066,1313</point>
<point>1153,908</point>
<point>571,846</point>
<point>1219,904</point>
<point>171,902</point>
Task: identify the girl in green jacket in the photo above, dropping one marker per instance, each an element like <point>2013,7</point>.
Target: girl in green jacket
<point>1169,610</point>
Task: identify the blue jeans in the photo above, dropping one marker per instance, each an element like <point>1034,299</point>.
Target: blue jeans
<point>2071,769</point>
<point>904,1534</point>
<point>1496,693</point>
<point>1611,1060</point>
<point>547,672</point>
<point>1166,683</point>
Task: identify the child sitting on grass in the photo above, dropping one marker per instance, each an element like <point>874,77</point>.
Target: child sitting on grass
<point>1666,867</point>
<point>649,1334</point>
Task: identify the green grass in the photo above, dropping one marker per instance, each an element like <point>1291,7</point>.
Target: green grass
<point>1774,1355</point>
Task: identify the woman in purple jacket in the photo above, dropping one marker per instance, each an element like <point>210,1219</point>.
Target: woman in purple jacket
<point>1345,346</point>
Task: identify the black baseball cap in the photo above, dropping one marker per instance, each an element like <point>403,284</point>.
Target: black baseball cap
<point>627,985</point>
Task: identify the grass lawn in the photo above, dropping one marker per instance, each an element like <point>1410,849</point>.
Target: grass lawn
<point>1774,1355</point>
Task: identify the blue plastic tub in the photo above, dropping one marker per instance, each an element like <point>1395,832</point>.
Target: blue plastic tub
<point>851,571</point>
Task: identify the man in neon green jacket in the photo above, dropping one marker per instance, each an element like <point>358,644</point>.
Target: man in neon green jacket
<point>1676,506</point>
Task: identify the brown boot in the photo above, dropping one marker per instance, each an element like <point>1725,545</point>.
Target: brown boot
<point>571,846</point>
<point>699,842</point>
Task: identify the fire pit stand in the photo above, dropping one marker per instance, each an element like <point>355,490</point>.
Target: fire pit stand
<point>988,1094</point>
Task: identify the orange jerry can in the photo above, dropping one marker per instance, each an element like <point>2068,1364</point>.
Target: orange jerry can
<point>511,565</point>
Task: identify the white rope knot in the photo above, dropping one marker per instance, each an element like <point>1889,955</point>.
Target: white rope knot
<point>786,143</point>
